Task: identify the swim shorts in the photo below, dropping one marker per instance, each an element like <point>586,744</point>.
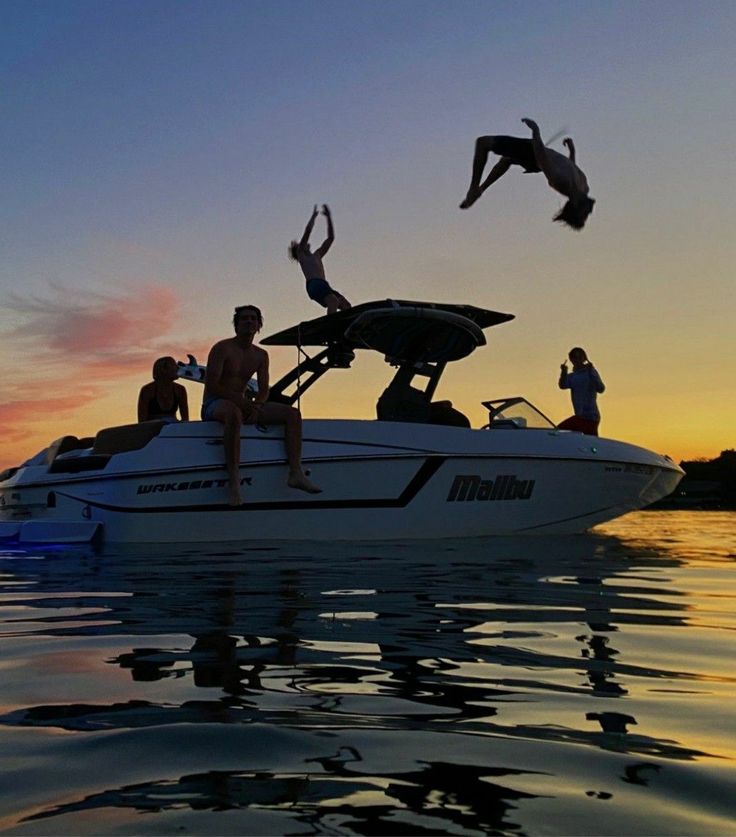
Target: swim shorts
<point>208,406</point>
<point>318,289</point>
<point>518,150</point>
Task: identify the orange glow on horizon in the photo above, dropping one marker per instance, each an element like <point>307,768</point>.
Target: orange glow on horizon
<point>683,436</point>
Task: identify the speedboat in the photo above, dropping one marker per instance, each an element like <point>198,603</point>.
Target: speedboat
<point>416,470</point>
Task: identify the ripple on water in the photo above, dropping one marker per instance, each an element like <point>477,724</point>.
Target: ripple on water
<point>510,685</point>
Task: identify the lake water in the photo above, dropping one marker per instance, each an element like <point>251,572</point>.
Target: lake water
<point>548,685</point>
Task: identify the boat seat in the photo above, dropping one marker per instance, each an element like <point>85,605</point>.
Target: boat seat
<point>403,403</point>
<point>127,437</point>
<point>77,464</point>
<point>442,412</point>
<point>65,444</point>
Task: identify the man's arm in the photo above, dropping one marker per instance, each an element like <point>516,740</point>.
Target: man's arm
<point>596,378</point>
<point>559,171</point>
<point>563,382</point>
<point>308,228</point>
<point>143,403</point>
<point>540,149</point>
<point>327,243</point>
<point>183,402</point>
<point>568,143</point>
<point>263,378</point>
<point>213,373</point>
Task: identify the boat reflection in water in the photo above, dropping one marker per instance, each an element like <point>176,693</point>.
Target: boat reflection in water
<point>450,687</point>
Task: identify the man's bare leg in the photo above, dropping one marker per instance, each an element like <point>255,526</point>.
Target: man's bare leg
<point>232,419</point>
<point>498,171</point>
<point>272,413</point>
<point>331,303</point>
<point>483,147</point>
<point>336,302</point>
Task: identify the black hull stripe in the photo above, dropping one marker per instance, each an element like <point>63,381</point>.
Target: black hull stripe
<point>218,441</point>
<point>425,472</point>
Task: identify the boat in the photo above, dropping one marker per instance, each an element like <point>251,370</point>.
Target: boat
<point>415,470</point>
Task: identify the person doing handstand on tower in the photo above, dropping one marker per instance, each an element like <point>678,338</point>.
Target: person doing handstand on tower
<point>310,262</point>
<point>562,173</point>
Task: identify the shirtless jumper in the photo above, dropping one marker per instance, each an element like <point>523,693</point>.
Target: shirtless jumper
<point>318,288</point>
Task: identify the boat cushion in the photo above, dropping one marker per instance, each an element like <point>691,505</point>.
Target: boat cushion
<point>126,437</point>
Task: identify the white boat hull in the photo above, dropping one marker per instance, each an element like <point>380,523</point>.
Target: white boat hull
<point>380,480</point>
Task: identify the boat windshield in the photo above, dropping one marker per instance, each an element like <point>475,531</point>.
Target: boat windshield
<point>515,413</point>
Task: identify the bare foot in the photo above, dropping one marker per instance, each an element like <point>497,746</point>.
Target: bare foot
<point>303,484</point>
<point>473,194</point>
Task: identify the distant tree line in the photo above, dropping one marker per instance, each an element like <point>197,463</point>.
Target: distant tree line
<point>707,484</point>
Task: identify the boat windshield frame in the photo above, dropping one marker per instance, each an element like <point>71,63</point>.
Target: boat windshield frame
<point>497,420</point>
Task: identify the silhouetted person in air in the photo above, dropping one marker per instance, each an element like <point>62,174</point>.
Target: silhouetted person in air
<point>562,173</point>
<point>310,262</point>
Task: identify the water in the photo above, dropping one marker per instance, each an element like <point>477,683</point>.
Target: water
<point>567,685</point>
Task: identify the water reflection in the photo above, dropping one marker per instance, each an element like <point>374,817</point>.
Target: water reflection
<point>500,642</point>
<point>441,797</point>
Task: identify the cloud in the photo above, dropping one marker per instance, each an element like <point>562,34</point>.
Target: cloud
<point>93,329</point>
<point>69,347</point>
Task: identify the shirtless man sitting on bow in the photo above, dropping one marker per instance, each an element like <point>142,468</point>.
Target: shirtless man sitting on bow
<point>230,365</point>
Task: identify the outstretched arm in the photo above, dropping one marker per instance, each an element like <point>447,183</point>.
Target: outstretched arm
<point>327,243</point>
<point>308,228</point>
<point>540,149</point>
<point>568,143</point>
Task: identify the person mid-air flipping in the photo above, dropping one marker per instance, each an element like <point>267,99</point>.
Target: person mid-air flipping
<point>562,173</point>
<point>310,262</point>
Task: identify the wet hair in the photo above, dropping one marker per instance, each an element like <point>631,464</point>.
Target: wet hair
<point>241,308</point>
<point>158,367</point>
<point>575,214</point>
<point>294,251</point>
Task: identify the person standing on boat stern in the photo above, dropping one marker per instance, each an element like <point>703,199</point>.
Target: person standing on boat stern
<point>584,384</point>
<point>162,398</point>
<point>532,155</point>
<point>310,262</point>
<point>230,365</point>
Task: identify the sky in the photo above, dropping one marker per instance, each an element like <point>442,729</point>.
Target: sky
<point>157,157</point>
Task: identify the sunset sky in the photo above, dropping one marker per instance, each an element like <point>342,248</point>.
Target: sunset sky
<point>158,156</point>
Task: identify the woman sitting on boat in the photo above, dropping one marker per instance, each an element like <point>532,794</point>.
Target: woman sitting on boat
<point>162,398</point>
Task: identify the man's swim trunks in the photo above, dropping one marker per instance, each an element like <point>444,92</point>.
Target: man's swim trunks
<point>208,407</point>
<point>318,289</point>
<point>210,404</point>
<point>518,150</point>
